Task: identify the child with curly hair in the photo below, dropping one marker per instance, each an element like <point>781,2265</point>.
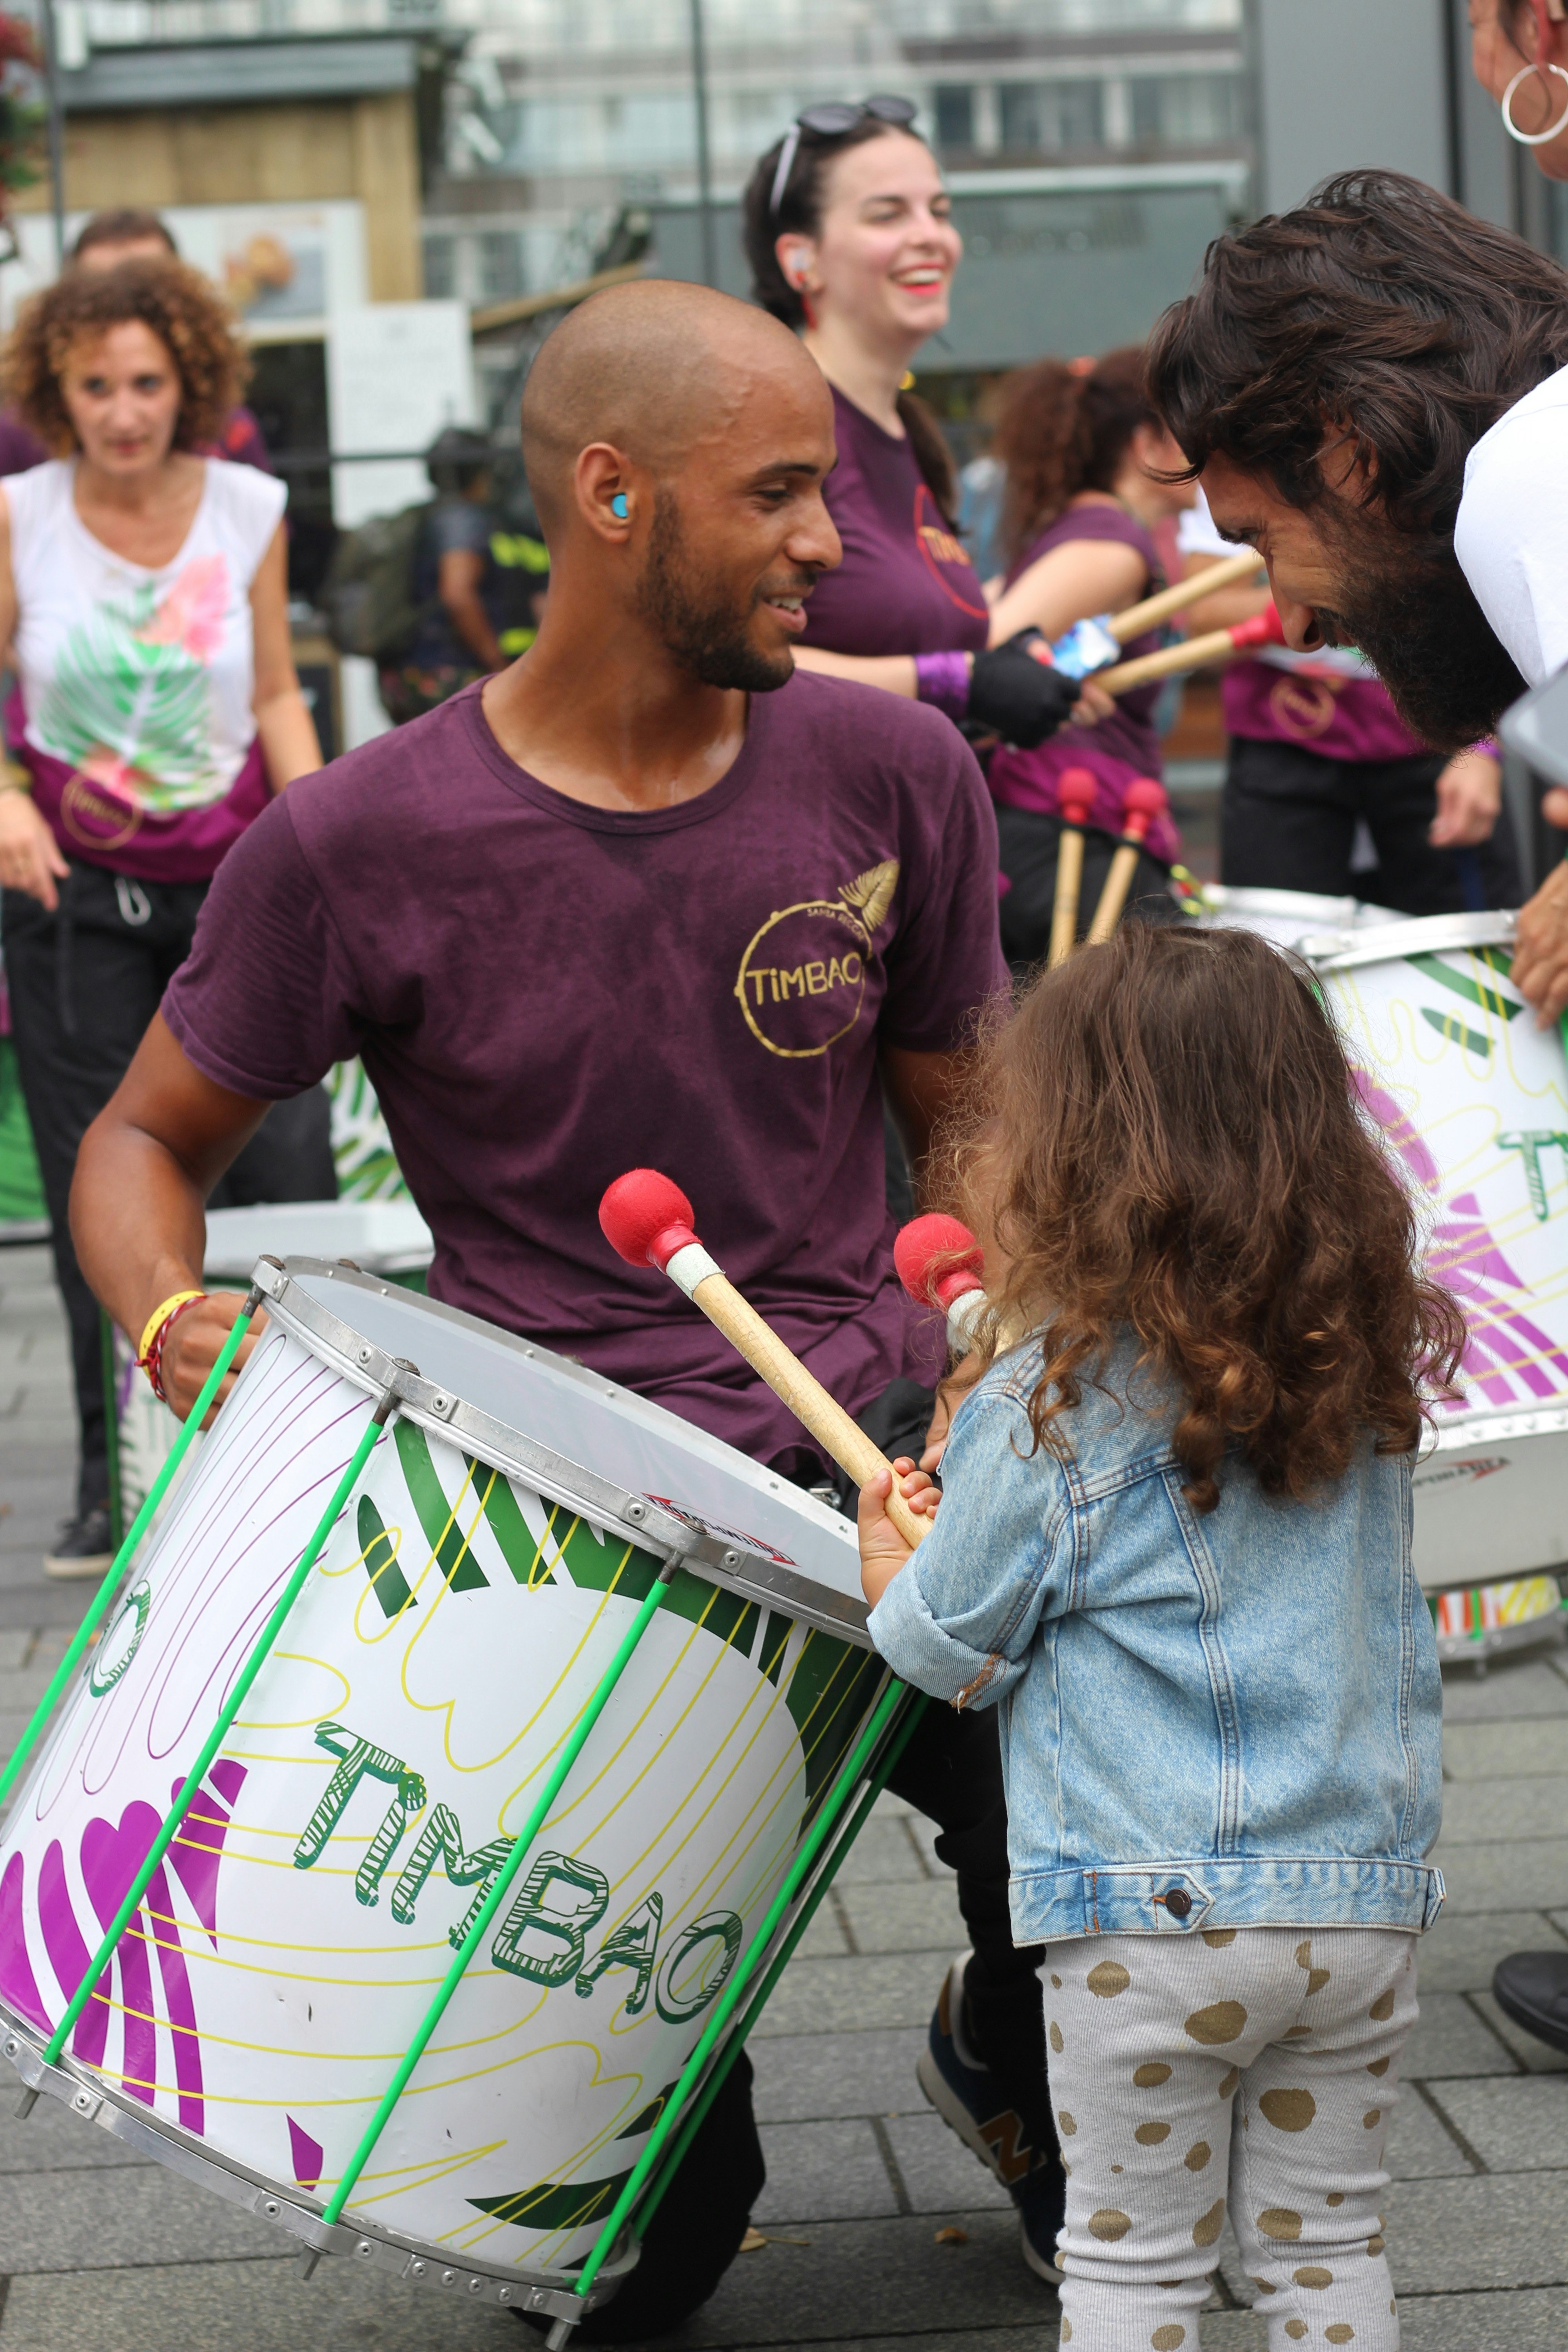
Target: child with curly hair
<point>1174,1548</point>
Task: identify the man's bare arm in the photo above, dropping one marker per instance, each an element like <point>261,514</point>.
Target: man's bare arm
<point>920,1087</point>
<point>137,1210</point>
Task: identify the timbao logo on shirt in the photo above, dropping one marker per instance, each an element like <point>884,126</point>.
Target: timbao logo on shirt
<point>938,545</point>
<point>803,976</point>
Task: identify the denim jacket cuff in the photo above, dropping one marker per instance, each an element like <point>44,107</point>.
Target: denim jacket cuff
<point>917,1649</point>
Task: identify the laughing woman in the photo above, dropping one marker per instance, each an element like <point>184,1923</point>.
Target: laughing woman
<point>144,611</point>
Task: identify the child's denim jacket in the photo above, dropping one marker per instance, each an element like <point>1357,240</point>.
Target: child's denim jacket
<point>1220,1722</point>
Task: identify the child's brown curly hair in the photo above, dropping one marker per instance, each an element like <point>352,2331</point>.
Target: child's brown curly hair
<point>187,315</point>
<point>1166,1138</point>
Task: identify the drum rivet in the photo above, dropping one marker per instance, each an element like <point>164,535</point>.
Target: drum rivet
<point>475,2285</point>
<point>730,1559</point>
<point>365,1355</point>
<point>364,2247</point>
<point>418,2269</point>
<point>270,2209</point>
<point>503,2295</point>
<point>12,2048</point>
<point>84,2100</point>
<point>448,2276</point>
<point>636,1510</point>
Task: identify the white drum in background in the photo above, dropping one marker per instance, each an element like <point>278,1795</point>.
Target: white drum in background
<point>384,1236</point>
<point>463,1610</point>
<point>1472,1099</point>
<point>1286,917</point>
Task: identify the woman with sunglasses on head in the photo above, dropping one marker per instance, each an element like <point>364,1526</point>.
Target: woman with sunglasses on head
<point>850,239</point>
<point>849,235</point>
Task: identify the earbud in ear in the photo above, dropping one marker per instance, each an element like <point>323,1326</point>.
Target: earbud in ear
<point>618,507</point>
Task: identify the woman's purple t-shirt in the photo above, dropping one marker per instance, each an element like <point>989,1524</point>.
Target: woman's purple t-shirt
<point>905,585</point>
<point>1119,749</point>
<point>546,994</point>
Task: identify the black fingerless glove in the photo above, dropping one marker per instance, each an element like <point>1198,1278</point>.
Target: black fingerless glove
<point>1013,695</point>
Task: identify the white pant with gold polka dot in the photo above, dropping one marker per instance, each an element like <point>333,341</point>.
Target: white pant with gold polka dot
<point>1244,2069</point>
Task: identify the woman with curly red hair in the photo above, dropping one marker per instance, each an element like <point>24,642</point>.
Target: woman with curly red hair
<point>1175,1546</point>
<point>143,609</point>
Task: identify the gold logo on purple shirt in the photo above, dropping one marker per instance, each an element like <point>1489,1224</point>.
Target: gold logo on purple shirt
<point>802,981</point>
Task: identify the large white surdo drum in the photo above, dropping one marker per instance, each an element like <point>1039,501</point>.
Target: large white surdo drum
<point>1472,1099</point>
<point>1286,917</point>
<point>476,1584</point>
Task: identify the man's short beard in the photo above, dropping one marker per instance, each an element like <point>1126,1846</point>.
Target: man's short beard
<point>697,619</point>
<point>1414,614</point>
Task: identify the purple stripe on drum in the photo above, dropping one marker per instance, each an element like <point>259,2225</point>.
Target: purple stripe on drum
<point>1508,1356</point>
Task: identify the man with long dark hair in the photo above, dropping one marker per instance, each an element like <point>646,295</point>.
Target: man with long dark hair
<point>1374,389</point>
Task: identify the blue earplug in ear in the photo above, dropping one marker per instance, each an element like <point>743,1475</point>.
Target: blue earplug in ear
<point>618,506</point>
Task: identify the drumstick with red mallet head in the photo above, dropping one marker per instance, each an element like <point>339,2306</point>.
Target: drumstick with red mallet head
<point>1144,801</point>
<point>648,1219</point>
<point>940,1262</point>
<point>1265,628</point>
<point>1075,798</point>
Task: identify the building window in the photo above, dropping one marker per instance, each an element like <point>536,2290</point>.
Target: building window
<point>500,265</point>
<point>1050,116</point>
<point>441,269</point>
<point>954,115</point>
<point>1185,110</point>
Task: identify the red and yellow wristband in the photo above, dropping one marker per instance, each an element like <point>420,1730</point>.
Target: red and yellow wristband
<point>156,1331</point>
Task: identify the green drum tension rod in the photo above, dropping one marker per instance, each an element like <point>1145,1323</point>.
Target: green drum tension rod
<point>729,1999</point>
<point>492,1903</point>
<point>781,1960</point>
<point>123,1556</point>
<point>216,1738</point>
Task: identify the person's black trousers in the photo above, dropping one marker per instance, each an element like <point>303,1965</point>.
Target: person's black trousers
<point>1027,842</point>
<point>1288,822</point>
<point>84,983</point>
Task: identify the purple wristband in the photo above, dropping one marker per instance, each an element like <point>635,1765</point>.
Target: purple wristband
<point>1487,745</point>
<point>943,680</point>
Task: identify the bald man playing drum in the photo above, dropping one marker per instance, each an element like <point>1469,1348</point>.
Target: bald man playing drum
<point>649,896</point>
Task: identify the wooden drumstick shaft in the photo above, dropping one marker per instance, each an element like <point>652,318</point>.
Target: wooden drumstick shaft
<point>1193,653</point>
<point>1113,897</point>
<point>806,1398</point>
<point>1182,594</point>
<point>1069,888</point>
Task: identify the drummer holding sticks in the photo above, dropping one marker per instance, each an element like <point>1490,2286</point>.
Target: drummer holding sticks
<point>645,896</point>
<point>1375,390</point>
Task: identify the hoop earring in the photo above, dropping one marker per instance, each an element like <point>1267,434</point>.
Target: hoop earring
<point>1532,138</point>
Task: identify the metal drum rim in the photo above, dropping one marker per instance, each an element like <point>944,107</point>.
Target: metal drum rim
<point>1392,943</point>
<point>333,1339</point>
<point>286,2206</point>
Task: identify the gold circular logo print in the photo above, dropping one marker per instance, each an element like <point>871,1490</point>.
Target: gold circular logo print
<point>803,976</point>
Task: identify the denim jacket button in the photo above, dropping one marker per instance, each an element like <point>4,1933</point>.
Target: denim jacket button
<point>1178,1902</point>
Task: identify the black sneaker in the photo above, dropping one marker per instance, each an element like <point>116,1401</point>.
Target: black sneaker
<point>84,1547</point>
<point>964,2091</point>
<point>1532,1989</point>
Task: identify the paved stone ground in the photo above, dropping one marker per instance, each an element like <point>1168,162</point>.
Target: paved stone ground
<point>100,2251</point>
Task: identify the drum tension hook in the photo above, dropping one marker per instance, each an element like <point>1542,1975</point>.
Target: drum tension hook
<point>561,2335</point>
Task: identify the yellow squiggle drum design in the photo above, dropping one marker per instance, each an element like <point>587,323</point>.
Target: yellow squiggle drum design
<point>392,1747</point>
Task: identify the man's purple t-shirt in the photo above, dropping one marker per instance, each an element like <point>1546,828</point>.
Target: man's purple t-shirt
<point>546,994</point>
<point>1323,710</point>
<point>905,585</point>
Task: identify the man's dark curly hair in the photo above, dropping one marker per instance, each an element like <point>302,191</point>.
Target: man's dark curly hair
<point>1378,310</point>
<point>186,314</point>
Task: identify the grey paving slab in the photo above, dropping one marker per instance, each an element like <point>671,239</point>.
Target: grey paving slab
<point>1480,2322</point>
<point>1417,2148</point>
<point>1494,2229</point>
<point>246,2306</point>
<point>98,2218</point>
<point>1513,2127</point>
<point>882,1853</point>
<point>1536,2057</point>
<point>1499,1751</point>
<point>1512,1687</point>
<point>824,1939</point>
<point>803,2077</point>
<point>919,1918</point>
<point>939,2173</point>
<point>1450,2039</point>
<point>51,2140</point>
<point>1493,1812</point>
<point>1460,1952</point>
<point>1524,1874</point>
<point>874,2283</point>
<point>20,1693</point>
<point>14,1649</point>
<point>823,2172</point>
<point>42,1604</point>
<point>843,1996</point>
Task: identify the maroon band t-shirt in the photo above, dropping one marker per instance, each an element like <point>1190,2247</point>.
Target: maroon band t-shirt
<point>546,994</point>
<point>905,585</point>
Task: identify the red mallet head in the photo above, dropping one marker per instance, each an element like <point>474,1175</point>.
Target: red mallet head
<point>645,1218</point>
<point>938,1260</point>
<point>1076,789</point>
<point>1142,802</point>
<point>1265,628</point>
